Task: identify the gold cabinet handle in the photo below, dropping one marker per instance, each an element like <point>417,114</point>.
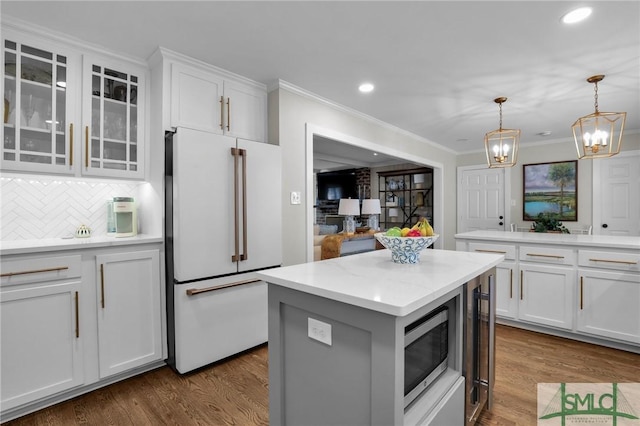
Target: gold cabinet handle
<point>34,271</point>
<point>521,288</point>
<point>624,262</point>
<point>511,284</point>
<point>545,255</point>
<point>221,112</point>
<point>71,144</point>
<point>86,147</point>
<point>490,251</point>
<point>581,292</point>
<point>228,114</point>
<point>77,315</point>
<point>102,285</point>
<point>194,291</point>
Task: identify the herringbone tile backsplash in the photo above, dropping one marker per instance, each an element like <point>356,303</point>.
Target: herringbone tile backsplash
<point>54,208</point>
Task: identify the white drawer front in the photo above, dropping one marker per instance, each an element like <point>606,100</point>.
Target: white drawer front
<point>622,261</point>
<point>546,254</point>
<point>22,271</point>
<point>509,251</point>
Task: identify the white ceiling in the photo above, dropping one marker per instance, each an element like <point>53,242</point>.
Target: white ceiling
<point>436,65</point>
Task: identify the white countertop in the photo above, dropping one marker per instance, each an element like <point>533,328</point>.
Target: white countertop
<point>594,241</point>
<point>372,281</point>
<point>56,244</point>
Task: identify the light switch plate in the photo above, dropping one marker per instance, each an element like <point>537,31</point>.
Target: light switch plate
<point>320,331</point>
<point>295,197</point>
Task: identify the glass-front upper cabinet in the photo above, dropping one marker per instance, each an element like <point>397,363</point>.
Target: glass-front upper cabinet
<point>112,113</point>
<point>38,111</point>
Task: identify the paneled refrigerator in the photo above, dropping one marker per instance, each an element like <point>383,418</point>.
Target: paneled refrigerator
<point>223,223</point>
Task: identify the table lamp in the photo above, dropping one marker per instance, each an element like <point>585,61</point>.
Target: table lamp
<point>372,208</point>
<point>349,207</point>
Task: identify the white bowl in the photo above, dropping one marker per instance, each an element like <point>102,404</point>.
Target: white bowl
<point>405,249</point>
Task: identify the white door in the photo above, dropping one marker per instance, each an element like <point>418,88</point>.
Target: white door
<point>481,199</point>
<point>203,207</point>
<point>129,330</point>
<point>263,207</point>
<point>616,204</point>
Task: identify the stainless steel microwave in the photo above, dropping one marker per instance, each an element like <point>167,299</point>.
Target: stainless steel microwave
<point>426,351</point>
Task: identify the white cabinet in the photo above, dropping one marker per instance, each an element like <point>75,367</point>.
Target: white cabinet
<point>609,294</point>
<point>546,295</point>
<point>40,85</point>
<point>129,331</point>
<point>69,111</point>
<point>113,118</point>
<point>41,352</point>
<point>204,100</point>
<point>608,304</point>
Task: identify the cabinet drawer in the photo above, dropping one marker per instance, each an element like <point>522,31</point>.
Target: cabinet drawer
<point>546,254</point>
<point>622,261</point>
<point>508,251</point>
<point>34,270</point>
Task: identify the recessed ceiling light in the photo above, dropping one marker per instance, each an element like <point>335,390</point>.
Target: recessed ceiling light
<point>366,87</point>
<point>576,15</point>
<point>375,153</point>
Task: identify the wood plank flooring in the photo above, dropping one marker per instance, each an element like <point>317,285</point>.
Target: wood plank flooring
<point>235,392</point>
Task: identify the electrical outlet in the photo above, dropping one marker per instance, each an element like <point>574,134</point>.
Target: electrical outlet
<point>295,197</point>
<point>320,331</point>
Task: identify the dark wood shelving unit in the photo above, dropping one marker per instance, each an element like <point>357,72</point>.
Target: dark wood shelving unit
<point>402,193</point>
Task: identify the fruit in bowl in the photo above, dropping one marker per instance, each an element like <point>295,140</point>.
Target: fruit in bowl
<point>406,249</point>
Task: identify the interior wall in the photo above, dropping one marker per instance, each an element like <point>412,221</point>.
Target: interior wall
<point>296,111</point>
<point>545,153</point>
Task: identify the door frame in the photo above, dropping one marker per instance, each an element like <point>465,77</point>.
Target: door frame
<point>506,191</point>
<point>312,129</point>
<point>596,193</point>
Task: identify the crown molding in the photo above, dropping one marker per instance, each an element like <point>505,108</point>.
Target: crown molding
<point>284,85</point>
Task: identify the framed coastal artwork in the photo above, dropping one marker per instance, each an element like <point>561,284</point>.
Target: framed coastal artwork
<point>550,188</point>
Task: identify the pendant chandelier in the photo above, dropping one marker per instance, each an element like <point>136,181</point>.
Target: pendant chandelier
<point>599,134</point>
<point>501,145</point>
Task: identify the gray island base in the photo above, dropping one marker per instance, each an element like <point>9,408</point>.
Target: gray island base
<point>337,338</point>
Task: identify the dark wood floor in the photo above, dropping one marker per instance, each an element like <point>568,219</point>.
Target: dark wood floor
<point>235,392</point>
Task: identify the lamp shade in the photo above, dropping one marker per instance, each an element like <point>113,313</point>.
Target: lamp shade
<point>349,207</point>
<point>393,212</point>
<point>371,206</point>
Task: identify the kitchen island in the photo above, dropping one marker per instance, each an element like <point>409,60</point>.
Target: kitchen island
<point>583,287</point>
<point>337,333</point>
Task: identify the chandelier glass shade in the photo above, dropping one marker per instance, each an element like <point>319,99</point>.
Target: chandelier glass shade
<point>599,134</point>
<point>501,145</point>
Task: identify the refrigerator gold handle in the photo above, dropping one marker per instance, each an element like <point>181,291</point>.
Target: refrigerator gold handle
<point>236,256</point>
<point>71,144</point>
<point>245,252</point>
<point>221,112</point>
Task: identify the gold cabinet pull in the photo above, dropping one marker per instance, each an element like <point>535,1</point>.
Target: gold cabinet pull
<point>554,256</point>
<point>228,114</point>
<point>490,251</point>
<point>34,271</point>
<point>521,288</point>
<point>221,112</point>
<point>581,292</point>
<point>77,315</point>
<point>624,262</point>
<point>71,144</point>
<point>194,291</point>
<point>86,147</point>
<point>511,284</point>
<point>102,285</point>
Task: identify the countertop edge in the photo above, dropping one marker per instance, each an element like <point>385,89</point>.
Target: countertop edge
<point>592,241</point>
<point>8,248</point>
